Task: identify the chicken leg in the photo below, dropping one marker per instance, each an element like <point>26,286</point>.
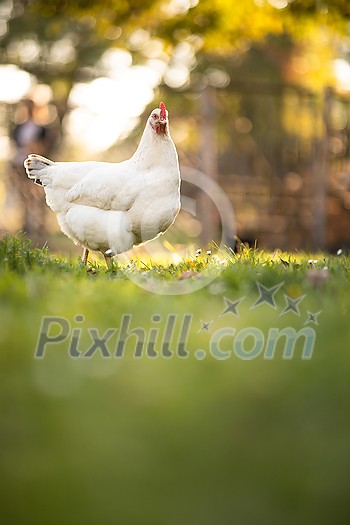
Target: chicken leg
<point>85,256</point>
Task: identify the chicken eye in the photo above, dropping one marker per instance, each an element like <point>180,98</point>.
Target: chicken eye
<point>154,115</point>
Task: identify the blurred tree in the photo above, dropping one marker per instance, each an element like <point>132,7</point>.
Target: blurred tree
<point>323,7</point>
<point>59,41</point>
<point>200,41</point>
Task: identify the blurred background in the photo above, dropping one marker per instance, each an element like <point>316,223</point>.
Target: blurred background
<point>258,93</point>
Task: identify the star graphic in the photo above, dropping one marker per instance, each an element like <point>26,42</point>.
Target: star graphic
<point>312,317</point>
<point>205,326</point>
<point>231,307</point>
<point>266,295</point>
<point>292,304</point>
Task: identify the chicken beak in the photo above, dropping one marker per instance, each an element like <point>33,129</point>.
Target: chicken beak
<point>161,128</point>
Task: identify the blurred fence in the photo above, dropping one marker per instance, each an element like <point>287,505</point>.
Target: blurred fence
<point>282,154</point>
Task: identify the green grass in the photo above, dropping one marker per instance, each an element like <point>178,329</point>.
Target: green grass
<point>156,440</point>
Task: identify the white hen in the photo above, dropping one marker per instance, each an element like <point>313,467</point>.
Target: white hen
<point>111,207</point>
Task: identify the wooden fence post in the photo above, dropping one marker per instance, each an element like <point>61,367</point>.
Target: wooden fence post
<point>320,177</point>
<point>209,156</point>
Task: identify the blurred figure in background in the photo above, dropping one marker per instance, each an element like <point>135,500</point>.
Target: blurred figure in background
<point>29,135</point>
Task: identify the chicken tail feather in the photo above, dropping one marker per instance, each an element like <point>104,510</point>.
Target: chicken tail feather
<point>35,167</point>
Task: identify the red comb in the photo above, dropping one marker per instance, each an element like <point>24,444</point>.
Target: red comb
<point>162,111</point>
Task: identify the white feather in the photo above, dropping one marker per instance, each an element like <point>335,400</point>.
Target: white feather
<point>114,206</point>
